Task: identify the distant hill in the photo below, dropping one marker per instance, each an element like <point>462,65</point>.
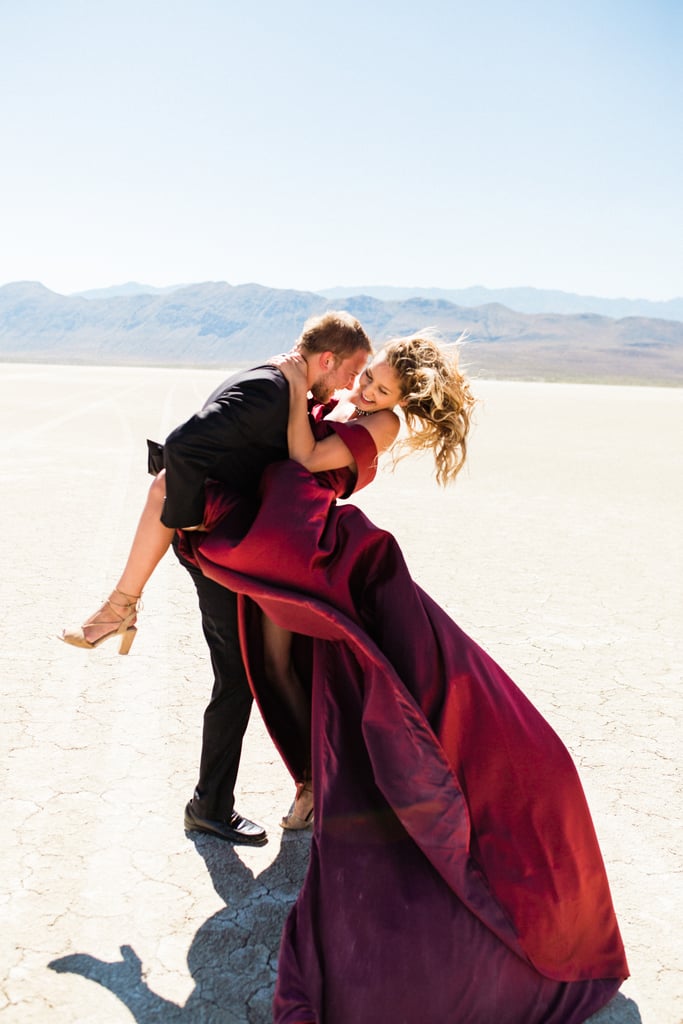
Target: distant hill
<point>217,324</point>
<point>129,288</point>
<point>523,300</point>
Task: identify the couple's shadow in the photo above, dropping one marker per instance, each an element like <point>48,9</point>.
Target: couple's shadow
<point>233,956</point>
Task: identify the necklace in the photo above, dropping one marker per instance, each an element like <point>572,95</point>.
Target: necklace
<point>363,412</point>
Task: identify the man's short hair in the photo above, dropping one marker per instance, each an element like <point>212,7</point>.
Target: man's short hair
<point>335,331</point>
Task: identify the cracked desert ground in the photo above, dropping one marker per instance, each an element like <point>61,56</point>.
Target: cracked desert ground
<point>559,550</point>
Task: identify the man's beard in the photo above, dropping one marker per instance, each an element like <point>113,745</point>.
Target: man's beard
<point>322,390</point>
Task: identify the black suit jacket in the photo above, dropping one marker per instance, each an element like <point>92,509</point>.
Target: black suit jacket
<point>239,431</point>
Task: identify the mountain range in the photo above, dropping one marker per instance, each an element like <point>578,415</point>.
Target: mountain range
<point>218,324</point>
<point>524,300</point>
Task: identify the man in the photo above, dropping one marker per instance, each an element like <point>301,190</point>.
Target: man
<point>240,430</point>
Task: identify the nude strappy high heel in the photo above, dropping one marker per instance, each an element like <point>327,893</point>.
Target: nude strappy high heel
<point>294,821</point>
<point>123,624</point>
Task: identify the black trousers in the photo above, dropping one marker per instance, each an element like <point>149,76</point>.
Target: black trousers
<point>227,714</point>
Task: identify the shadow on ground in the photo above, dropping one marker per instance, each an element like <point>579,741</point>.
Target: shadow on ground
<point>233,956</point>
<point>619,1010</point>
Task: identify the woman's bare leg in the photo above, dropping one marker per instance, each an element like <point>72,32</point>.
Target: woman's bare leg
<point>281,675</point>
<point>151,542</point>
<point>280,672</point>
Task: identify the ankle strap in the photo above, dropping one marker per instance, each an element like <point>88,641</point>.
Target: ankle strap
<point>132,599</point>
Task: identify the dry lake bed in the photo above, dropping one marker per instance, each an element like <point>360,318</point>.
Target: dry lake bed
<point>559,549</point>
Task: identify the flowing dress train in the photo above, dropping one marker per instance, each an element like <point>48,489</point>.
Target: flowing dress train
<point>455,876</point>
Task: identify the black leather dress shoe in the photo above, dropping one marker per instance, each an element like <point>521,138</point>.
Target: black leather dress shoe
<point>236,830</point>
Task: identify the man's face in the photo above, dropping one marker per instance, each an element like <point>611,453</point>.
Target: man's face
<point>337,378</point>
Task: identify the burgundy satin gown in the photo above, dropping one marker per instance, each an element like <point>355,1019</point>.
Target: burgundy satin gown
<point>455,876</point>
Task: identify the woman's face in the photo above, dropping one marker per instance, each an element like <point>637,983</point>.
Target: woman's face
<point>377,387</point>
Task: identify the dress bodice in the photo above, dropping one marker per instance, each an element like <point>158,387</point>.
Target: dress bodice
<point>360,443</point>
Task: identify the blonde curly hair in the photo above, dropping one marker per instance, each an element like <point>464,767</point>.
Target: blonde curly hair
<point>436,400</point>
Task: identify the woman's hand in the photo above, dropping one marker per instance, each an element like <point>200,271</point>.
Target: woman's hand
<point>294,369</point>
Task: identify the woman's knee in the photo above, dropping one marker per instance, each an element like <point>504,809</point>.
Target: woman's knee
<point>157,490</point>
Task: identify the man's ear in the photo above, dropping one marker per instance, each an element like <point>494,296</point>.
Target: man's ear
<point>327,361</point>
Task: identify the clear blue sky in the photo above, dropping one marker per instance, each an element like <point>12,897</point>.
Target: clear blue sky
<point>308,144</point>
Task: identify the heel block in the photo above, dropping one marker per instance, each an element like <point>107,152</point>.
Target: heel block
<point>127,639</point>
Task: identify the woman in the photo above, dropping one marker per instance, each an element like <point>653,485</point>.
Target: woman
<point>454,874</point>
<point>379,389</point>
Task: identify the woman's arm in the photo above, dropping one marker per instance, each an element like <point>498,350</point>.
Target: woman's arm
<point>300,440</point>
<point>331,452</point>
